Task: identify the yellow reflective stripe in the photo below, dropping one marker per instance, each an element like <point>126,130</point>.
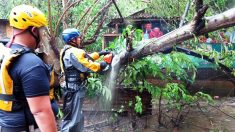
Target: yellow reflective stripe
<point>61,63</point>
<point>51,93</point>
<point>80,56</point>
<point>52,81</point>
<point>95,55</point>
<point>61,58</point>
<point>6,107</point>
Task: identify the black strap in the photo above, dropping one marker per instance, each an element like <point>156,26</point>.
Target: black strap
<point>66,71</point>
<point>89,57</point>
<point>14,129</point>
<point>6,97</point>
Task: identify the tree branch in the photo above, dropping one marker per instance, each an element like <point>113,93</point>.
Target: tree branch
<point>185,13</point>
<point>198,18</point>
<point>94,18</point>
<point>58,22</point>
<point>86,12</point>
<point>96,34</point>
<point>49,17</point>
<point>119,12</point>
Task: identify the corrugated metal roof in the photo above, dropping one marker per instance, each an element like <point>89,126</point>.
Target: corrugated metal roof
<point>141,15</point>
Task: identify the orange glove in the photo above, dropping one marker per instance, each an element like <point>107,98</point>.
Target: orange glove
<point>108,58</point>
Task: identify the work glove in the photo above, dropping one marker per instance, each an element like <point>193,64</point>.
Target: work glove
<point>104,53</point>
<point>104,66</point>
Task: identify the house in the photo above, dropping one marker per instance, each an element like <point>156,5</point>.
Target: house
<point>5,29</point>
<point>140,20</point>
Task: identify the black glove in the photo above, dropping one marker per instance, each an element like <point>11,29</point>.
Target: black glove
<point>104,53</point>
<point>104,66</point>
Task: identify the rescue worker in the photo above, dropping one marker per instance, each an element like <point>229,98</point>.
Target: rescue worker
<point>76,64</point>
<point>24,90</point>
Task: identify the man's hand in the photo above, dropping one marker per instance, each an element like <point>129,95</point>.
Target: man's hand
<point>104,66</point>
<point>104,53</point>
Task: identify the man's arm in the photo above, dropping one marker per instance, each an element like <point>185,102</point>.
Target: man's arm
<point>78,56</point>
<point>41,109</point>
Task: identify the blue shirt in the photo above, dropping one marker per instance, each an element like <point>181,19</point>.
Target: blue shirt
<point>31,76</point>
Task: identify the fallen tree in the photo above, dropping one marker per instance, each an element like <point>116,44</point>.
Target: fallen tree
<point>198,26</point>
<point>189,31</point>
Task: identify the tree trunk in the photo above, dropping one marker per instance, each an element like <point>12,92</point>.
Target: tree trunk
<point>50,52</point>
<point>213,23</point>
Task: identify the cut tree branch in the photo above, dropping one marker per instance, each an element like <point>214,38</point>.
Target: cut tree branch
<point>213,23</point>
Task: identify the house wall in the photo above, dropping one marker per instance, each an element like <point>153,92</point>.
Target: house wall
<point>2,30</point>
<point>5,29</point>
<point>107,38</point>
<point>9,31</point>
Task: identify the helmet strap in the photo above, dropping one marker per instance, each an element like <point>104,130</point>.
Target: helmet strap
<point>73,44</point>
<point>12,40</point>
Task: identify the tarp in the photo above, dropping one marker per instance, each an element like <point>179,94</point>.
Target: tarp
<point>216,47</point>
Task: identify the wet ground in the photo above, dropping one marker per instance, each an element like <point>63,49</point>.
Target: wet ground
<point>219,117</point>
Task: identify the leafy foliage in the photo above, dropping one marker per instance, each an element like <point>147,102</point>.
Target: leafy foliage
<point>178,97</point>
<point>95,87</point>
<point>138,105</point>
<point>225,56</point>
<point>164,67</point>
<point>177,103</point>
<point>119,44</point>
<point>176,8</point>
<point>127,7</point>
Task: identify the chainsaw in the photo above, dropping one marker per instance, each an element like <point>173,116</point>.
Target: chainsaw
<point>108,59</point>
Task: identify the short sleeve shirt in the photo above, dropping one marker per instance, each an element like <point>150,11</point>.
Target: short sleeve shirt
<point>31,76</point>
